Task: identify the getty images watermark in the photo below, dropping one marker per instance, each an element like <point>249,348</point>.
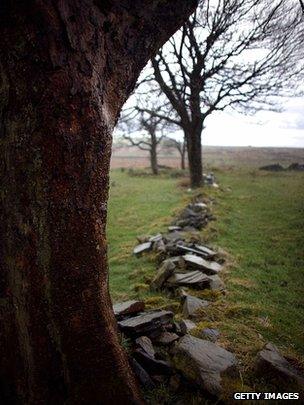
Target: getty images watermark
<point>265,395</point>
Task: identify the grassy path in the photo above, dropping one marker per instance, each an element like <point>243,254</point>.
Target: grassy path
<point>260,224</point>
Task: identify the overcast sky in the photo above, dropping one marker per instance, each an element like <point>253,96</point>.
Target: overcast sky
<point>264,129</point>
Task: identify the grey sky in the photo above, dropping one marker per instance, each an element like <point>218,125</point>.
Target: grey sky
<point>266,128</point>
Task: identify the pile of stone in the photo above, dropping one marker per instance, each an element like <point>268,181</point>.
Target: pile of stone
<point>279,168</point>
<point>162,350</point>
<point>189,270</point>
<point>185,263</point>
<point>194,217</point>
<point>276,167</point>
<point>209,180</point>
<point>296,166</point>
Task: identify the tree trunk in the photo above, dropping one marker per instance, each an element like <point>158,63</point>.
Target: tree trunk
<point>153,156</point>
<point>183,155</point>
<point>66,69</point>
<point>194,148</point>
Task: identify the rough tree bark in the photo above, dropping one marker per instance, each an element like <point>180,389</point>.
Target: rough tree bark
<point>194,149</point>
<point>66,69</point>
<point>183,154</point>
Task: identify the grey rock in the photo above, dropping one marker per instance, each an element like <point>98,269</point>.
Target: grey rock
<point>204,363</point>
<point>194,222</point>
<point>192,305</point>
<point>144,343</point>
<point>156,238</point>
<point>198,206</point>
<point>147,323</point>
<point>216,284</point>
<point>128,308</point>
<point>166,338</point>
<point>143,238</point>
<point>210,334</point>
<point>151,364</point>
<point>199,263</point>
<point>164,272</point>
<point>211,253</point>
<point>174,236</point>
<point>187,325</point>
<point>159,246</point>
<point>189,229</point>
<point>173,228</point>
<point>143,377</point>
<point>187,249</point>
<point>271,364</point>
<point>194,279</point>
<point>188,213</point>
<point>143,247</point>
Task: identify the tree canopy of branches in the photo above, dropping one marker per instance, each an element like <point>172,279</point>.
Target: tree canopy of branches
<point>170,143</point>
<point>143,130</point>
<point>237,54</point>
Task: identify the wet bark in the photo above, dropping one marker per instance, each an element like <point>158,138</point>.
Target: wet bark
<point>183,155</point>
<point>194,149</point>
<point>66,69</point>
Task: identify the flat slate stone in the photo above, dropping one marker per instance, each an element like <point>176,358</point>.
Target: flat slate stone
<point>156,238</point>
<point>166,338</point>
<point>205,249</point>
<point>186,325</point>
<point>128,308</point>
<point>204,363</point>
<point>188,213</point>
<point>192,305</point>
<point>174,236</point>
<point>144,343</point>
<point>159,246</point>
<point>173,228</point>
<point>198,207</point>
<point>201,264</point>
<point>187,249</point>
<point>210,334</point>
<point>143,247</point>
<point>143,377</point>
<point>216,283</point>
<point>146,323</point>
<point>164,272</point>
<point>271,364</point>
<point>194,279</point>
<point>151,364</point>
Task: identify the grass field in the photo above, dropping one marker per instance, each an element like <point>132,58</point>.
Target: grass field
<point>260,223</point>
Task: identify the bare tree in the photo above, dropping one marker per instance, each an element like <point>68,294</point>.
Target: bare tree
<point>178,145</point>
<point>145,131</point>
<point>230,54</point>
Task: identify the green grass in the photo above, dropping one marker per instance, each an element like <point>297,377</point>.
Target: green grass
<point>261,226</point>
<point>261,223</point>
<point>137,206</point>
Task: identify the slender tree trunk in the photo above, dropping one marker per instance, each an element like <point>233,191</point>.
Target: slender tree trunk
<point>63,80</point>
<point>153,157</point>
<point>183,155</point>
<point>194,148</point>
